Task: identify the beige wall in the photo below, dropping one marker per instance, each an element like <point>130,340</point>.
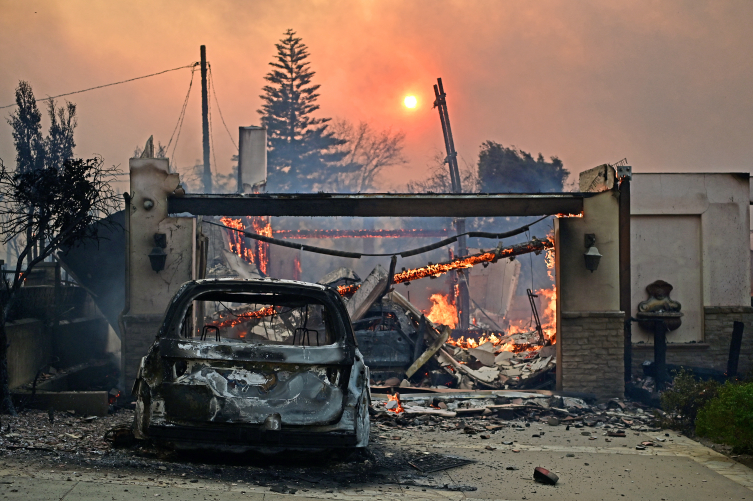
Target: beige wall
<point>590,344</point>
<point>668,248</point>
<point>583,290</point>
<point>721,201</point>
<point>150,291</point>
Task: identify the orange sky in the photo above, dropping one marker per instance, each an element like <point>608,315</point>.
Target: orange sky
<point>665,84</point>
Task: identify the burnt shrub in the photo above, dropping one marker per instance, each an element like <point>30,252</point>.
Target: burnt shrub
<point>686,398</point>
<point>728,418</point>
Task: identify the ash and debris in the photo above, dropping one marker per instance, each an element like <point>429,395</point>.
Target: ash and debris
<point>77,443</point>
<point>72,444</point>
<point>485,414</point>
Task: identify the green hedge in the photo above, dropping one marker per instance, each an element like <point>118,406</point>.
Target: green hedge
<point>728,418</point>
<point>685,399</point>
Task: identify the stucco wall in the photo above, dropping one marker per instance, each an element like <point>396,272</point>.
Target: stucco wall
<point>149,292</point>
<point>693,230</point>
<point>668,248</point>
<point>585,290</point>
<point>590,341</point>
<point>722,203</point>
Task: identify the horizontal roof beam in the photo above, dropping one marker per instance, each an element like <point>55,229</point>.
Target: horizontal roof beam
<point>379,205</point>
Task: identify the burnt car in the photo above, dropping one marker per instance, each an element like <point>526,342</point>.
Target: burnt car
<point>242,365</point>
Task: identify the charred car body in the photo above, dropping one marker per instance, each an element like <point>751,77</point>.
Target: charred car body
<point>244,365</point>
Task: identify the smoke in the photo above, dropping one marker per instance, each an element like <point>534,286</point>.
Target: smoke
<point>665,84</point>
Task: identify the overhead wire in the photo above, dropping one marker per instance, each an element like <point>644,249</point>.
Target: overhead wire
<point>105,85</point>
<point>211,136</point>
<point>181,117</point>
<point>219,110</point>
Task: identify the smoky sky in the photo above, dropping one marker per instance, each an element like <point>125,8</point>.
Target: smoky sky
<point>664,83</point>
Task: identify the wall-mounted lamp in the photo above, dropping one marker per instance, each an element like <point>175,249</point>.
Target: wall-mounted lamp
<point>158,256</point>
<point>592,255</point>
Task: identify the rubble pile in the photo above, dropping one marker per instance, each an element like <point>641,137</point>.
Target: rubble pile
<point>493,364</point>
<point>486,412</point>
<point>402,347</point>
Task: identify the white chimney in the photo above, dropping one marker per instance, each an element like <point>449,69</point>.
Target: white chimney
<point>252,158</point>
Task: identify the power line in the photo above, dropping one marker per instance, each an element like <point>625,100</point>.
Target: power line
<point>106,85</point>
<point>181,117</point>
<point>211,135</point>
<point>211,83</point>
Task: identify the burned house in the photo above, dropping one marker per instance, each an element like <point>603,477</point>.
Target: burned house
<point>601,252</point>
<point>157,205</point>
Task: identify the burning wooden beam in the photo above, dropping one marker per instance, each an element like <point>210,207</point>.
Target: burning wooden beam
<point>435,270</point>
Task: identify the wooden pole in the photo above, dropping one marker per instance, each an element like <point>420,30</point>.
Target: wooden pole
<point>452,161</point>
<point>207,178</point>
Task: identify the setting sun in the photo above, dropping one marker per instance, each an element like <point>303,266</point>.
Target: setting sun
<point>410,101</point>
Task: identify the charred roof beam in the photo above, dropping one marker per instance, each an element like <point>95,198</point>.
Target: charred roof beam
<point>379,205</point>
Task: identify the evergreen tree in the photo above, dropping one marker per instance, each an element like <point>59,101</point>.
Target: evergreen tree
<point>301,151</point>
<point>59,143</point>
<point>510,170</point>
<point>33,151</point>
<point>26,123</point>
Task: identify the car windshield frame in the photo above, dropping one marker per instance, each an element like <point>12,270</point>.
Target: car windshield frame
<point>341,328</point>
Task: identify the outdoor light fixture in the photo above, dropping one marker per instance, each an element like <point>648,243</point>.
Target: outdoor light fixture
<point>592,255</point>
<point>158,256</point>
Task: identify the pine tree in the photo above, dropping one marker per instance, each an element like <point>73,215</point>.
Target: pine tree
<point>301,150</point>
<point>27,130</point>
<point>33,151</point>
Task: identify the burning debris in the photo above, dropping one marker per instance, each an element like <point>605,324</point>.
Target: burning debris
<point>405,346</point>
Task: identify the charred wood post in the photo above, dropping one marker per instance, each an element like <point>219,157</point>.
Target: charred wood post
<point>625,279</point>
<point>378,204</point>
<point>660,353</point>
<point>734,348</point>
<point>452,161</point>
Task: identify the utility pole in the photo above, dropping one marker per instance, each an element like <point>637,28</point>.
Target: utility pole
<point>464,297</point>
<point>207,178</point>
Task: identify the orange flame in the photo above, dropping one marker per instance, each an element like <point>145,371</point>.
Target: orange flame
<point>258,252</point>
<point>262,227</point>
<point>396,398</point>
<point>297,271</point>
<point>235,320</point>
<point>236,238</point>
<point>443,311</point>
<point>534,245</point>
<point>547,314</point>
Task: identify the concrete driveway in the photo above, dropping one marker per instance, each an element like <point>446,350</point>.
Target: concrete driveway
<point>589,467</point>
